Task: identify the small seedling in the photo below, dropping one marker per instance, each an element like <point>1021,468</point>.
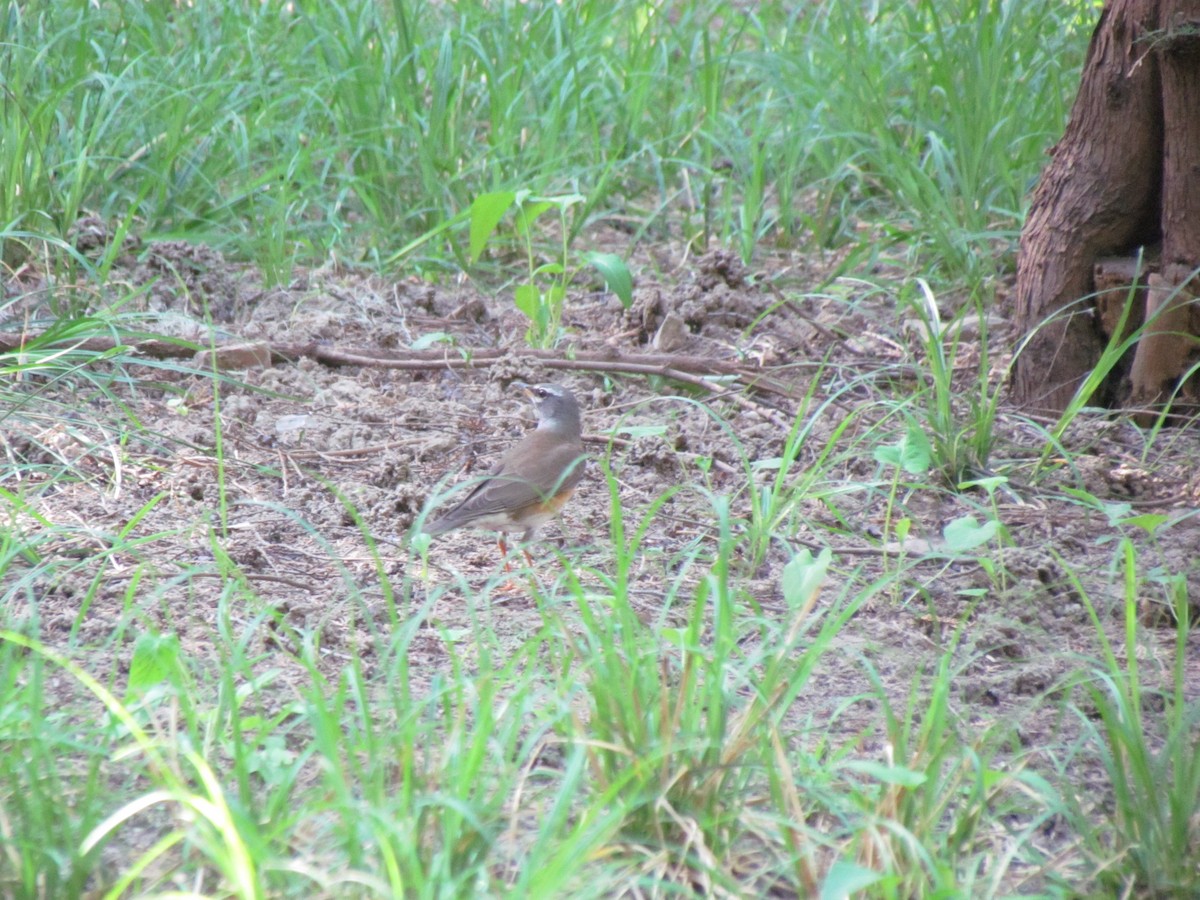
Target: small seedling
<point>542,295</point>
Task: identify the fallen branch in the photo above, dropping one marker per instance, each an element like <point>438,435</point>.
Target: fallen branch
<point>697,371</point>
<point>664,364</point>
<point>686,369</point>
<point>153,346</point>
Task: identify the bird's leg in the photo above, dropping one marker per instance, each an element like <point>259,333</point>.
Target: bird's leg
<point>528,536</point>
<point>510,586</point>
<point>503,545</point>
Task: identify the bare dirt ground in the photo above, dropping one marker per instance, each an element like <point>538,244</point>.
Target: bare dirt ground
<point>327,468</point>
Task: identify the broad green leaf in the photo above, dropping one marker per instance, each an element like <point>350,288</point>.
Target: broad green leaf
<point>676,636</point>
<point>967,533</point>
<point>1117,512</point>
<point>155,660</point>
<point>912,452</point>
<point>554,297</point>
<point>615,273</point>
<point>271,758</point>
<point>988,484</point>
<point>888,454</point>
<point>1148,522</point>
<point>486,212</point>
<point>528,299</point>
<point>917,455</point>
<point>845,879</point>
<point>803,576</point>
<point>528,213</point>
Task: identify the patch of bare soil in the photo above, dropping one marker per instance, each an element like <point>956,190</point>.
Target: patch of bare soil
<point>326,469</point>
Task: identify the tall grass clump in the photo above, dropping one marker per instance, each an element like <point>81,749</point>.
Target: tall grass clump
<point>682,723</point>
<point>961,418</point>
<point>921,122</point>
<point>1142,838</point>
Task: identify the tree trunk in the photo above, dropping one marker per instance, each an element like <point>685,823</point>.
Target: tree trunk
<point>1125,176</point>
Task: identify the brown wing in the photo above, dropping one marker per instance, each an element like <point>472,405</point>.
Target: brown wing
<point>516,484</point>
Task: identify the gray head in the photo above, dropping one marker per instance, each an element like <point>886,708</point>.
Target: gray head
<point>556,407</point>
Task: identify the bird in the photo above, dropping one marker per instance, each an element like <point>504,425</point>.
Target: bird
<point>532,481</point>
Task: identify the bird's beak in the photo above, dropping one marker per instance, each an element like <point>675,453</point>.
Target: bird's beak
<point>525,388</point>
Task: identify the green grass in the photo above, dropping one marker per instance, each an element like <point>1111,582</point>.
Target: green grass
<point>1143,840</point>
<point>290,135</point>
<point>153,743</point>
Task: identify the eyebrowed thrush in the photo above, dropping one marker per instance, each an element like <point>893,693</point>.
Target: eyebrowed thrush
<point>533,480</point>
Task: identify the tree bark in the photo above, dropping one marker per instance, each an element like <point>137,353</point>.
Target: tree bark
<point>1126,175</point>
<point>1166,351</point>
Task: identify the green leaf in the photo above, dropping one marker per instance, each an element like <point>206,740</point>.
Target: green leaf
<point>615,274</point>
<point>527,214</point>
<point>1084,497</point>
<point>434,337</point>
<point>886,774</point>
<point>553,298</point>
<point>912,452</point>
<point>271,759</point>
<point>676,636</point>
<point>637,431</point>
<point>845,879</point>
<point>888,454</point>
<point>528,299</point>
<point>486,212</point>
<point>966,533</point>
<point>802,576</point>
<point>989,484</point>
<point>1117,512</point>
<point>155,661</point>
<point>917,455</point>
<point>1148,522</point>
